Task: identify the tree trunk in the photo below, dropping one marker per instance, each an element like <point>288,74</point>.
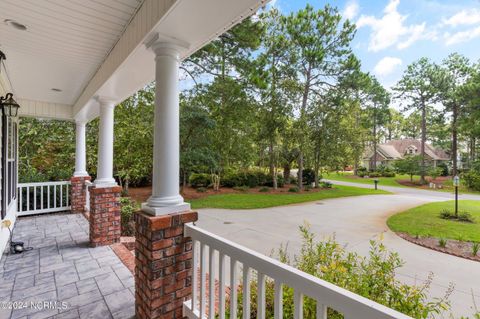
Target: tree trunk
<point>300,170</point>
<point>454,140</point>
<point>272,170</point>
<point>424,139</point>
<point>374,140</point>
<point>286,173</point>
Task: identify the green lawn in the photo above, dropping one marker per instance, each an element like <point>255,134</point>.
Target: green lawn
<point>425,221</point>
<point>263,200</point>
<point>385,181</point>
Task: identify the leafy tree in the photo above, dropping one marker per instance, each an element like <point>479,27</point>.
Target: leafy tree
<point>272,77</point>
<point>410,165</point>
<point>418,89</point>
<point>456,70</point>
<point>321,45</point>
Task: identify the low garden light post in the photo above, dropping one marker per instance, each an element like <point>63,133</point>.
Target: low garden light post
<point>456,183</point>
<point>376,183</point>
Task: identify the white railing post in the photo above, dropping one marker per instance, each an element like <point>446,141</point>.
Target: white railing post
<point>261,296</point>
<point>221,288</point>
<point>211,282</point>
<point>233,288</point>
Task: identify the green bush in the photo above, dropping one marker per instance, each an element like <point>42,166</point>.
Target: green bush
<point>202,190</point>
<point>128,208</point>
<point>442,242</point>
<point>294,189</point>
<point>472,180</point>
<point>475,248</point>
<point>326,185</point>
<point>372,277</point>
<point>280,182</point>
<point>264,189</point>
<point>231,179</point>
<point>443,169</point>
<point>241,188</point>
<point>308,176</point>
<point>293,180</point>
<point>200,180</point>
<point>465,217</point>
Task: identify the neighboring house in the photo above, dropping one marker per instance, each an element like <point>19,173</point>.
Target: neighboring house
<point>393,150</point>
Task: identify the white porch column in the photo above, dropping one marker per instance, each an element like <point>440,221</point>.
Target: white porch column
<point>105,144</point>
<point>166,196</point>
<point>80,150</point>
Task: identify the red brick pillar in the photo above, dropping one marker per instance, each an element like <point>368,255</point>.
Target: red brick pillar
<point>78,193</point>
<point>105,228</point>
<point>163,260</point>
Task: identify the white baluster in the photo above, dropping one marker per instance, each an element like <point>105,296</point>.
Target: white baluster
<point>34,198</point>
<point>41,197</point>
<point>321,310</point>
<point>233,288</point>
<point>203,267</point>
<point>221,288</point>
<point>278,302</point>
<point>195,275</point>
<point>246,291</point>
<point>61,195</point>
<point>67,194</point>
<point>20,191</point>
<point>211,282</point>
<point>28,198</point>
<point>54,196</point>
<point>261,296</point>
<point>298,305</point>
<point>48,196</point>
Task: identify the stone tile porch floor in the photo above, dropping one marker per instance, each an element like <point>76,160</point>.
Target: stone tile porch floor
<point>92,282</point>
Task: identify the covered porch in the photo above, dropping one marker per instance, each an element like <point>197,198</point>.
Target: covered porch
<point>92,58</point>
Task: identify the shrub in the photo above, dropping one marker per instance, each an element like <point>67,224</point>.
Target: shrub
<point>475,248</point>
<point>326,185</point>
<point>293,180</point>
<point>472,180</point>
<point>443,169</point>
<point>241,188</point>
<point>264,189</point>
<point>202,189</point>
<point>372,277</point>
<point>465,217</point>
<point>308,176</point>
<point>128,208</point>
<point>442,242</point>
<point>280,182</point>
<point>446,214</point>
<point>231,180</point>
<point>307,188</point>
<point>294,189</point>
<point>200,180</point>
<point>388,174</point>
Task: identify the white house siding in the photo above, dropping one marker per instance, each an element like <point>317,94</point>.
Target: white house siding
<point>37,109</point>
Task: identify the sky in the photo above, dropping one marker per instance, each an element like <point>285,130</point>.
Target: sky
<point>392,34</point>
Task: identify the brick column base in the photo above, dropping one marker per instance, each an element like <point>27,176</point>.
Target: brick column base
<point>78,193</point>
<point>105,226</point>
<point>163,260</point>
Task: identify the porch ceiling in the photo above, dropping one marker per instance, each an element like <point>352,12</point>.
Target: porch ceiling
<point>64,44</point>
<point>89,48</point>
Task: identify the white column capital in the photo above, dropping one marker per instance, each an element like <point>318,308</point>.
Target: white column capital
<point>165,46</point>
<point>106,101</point>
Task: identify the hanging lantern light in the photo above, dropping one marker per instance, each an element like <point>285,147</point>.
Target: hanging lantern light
<point>9,105</point>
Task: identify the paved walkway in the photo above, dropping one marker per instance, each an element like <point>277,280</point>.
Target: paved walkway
<point>91,282</point>
<point>354,221</point>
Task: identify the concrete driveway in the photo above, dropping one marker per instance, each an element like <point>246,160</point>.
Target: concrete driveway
<point>354,221</point>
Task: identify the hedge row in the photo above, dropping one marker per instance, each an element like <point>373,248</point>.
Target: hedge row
<point>237,179</point>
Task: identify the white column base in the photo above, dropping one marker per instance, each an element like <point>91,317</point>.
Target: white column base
<point>165,210</point>
<point>103,183</point>
<point>80,174</point>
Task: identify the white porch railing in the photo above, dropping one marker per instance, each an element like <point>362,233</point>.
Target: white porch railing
<point>44,197</point>
<point>207,246</point>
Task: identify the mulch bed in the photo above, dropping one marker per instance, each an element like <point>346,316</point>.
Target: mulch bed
<point>454,247</point>
<point>438,181</point>
<point>141,194</point>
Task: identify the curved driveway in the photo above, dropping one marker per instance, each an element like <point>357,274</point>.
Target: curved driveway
<point>354,221</point>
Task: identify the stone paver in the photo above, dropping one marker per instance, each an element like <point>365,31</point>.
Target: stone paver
<point>61,267</point>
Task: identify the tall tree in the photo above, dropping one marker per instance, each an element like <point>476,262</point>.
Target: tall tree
<point>418,90</point>
<point>321,44</point>
<point>272,77</point>
<point>456,69</point>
